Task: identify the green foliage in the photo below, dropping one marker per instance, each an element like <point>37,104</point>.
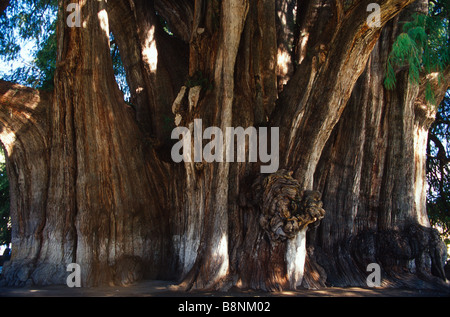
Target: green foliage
<point>438,169</point>
<point>30,26</point>
<point>423,46</point>
<point>5,220</point>
<point>25,20</point>
<point>164,24</point>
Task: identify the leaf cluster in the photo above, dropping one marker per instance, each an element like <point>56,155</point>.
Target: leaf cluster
<point>423,47</point>
<point>29,25</point>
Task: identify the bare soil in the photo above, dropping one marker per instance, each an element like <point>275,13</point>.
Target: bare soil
<point>166,289</point>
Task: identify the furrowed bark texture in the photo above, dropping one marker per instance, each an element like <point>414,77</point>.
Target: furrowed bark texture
<point>378,183</point>
<point>98,207</point>
<point>93,181</point>
<point>25,137</point>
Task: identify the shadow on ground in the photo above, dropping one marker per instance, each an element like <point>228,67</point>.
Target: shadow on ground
<point>165,289</point>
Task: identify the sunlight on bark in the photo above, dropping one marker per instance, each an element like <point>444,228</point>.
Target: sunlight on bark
<point>103,19</point>
<point>8,138</point>
<point>222,254</point>
<point>421,138</point>
<point>149,51</point>
<point>303,46</point>
<point>283,64</point>
<point>295,258</point>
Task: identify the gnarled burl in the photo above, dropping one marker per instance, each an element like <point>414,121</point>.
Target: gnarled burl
<point>286,209</point>
<point>278,214</point>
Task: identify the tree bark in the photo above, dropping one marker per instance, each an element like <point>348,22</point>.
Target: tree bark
<point>96,196</point>
<point>379,183</point>
<point>25,137</point>
<point>93,182</point>
<point>3,5</point>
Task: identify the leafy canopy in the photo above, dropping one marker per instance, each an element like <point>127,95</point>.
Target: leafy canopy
<point>28,42</point>
<point>423,46</point>
<point>28,27</point>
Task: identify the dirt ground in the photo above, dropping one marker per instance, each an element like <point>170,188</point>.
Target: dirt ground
<point>165,289</point>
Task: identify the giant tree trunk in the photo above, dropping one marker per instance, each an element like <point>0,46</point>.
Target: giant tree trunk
<point>375,189</point>
<point>93,181</point>
<point>84,190</point>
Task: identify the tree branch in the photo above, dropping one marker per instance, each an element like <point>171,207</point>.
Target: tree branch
<point>151,59</point>
<point>22,111</point>
<point>426,112</point>
<point>442,153</point>
<point>316,96</point>
<point>3,5</point>
<point>440,83</point>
